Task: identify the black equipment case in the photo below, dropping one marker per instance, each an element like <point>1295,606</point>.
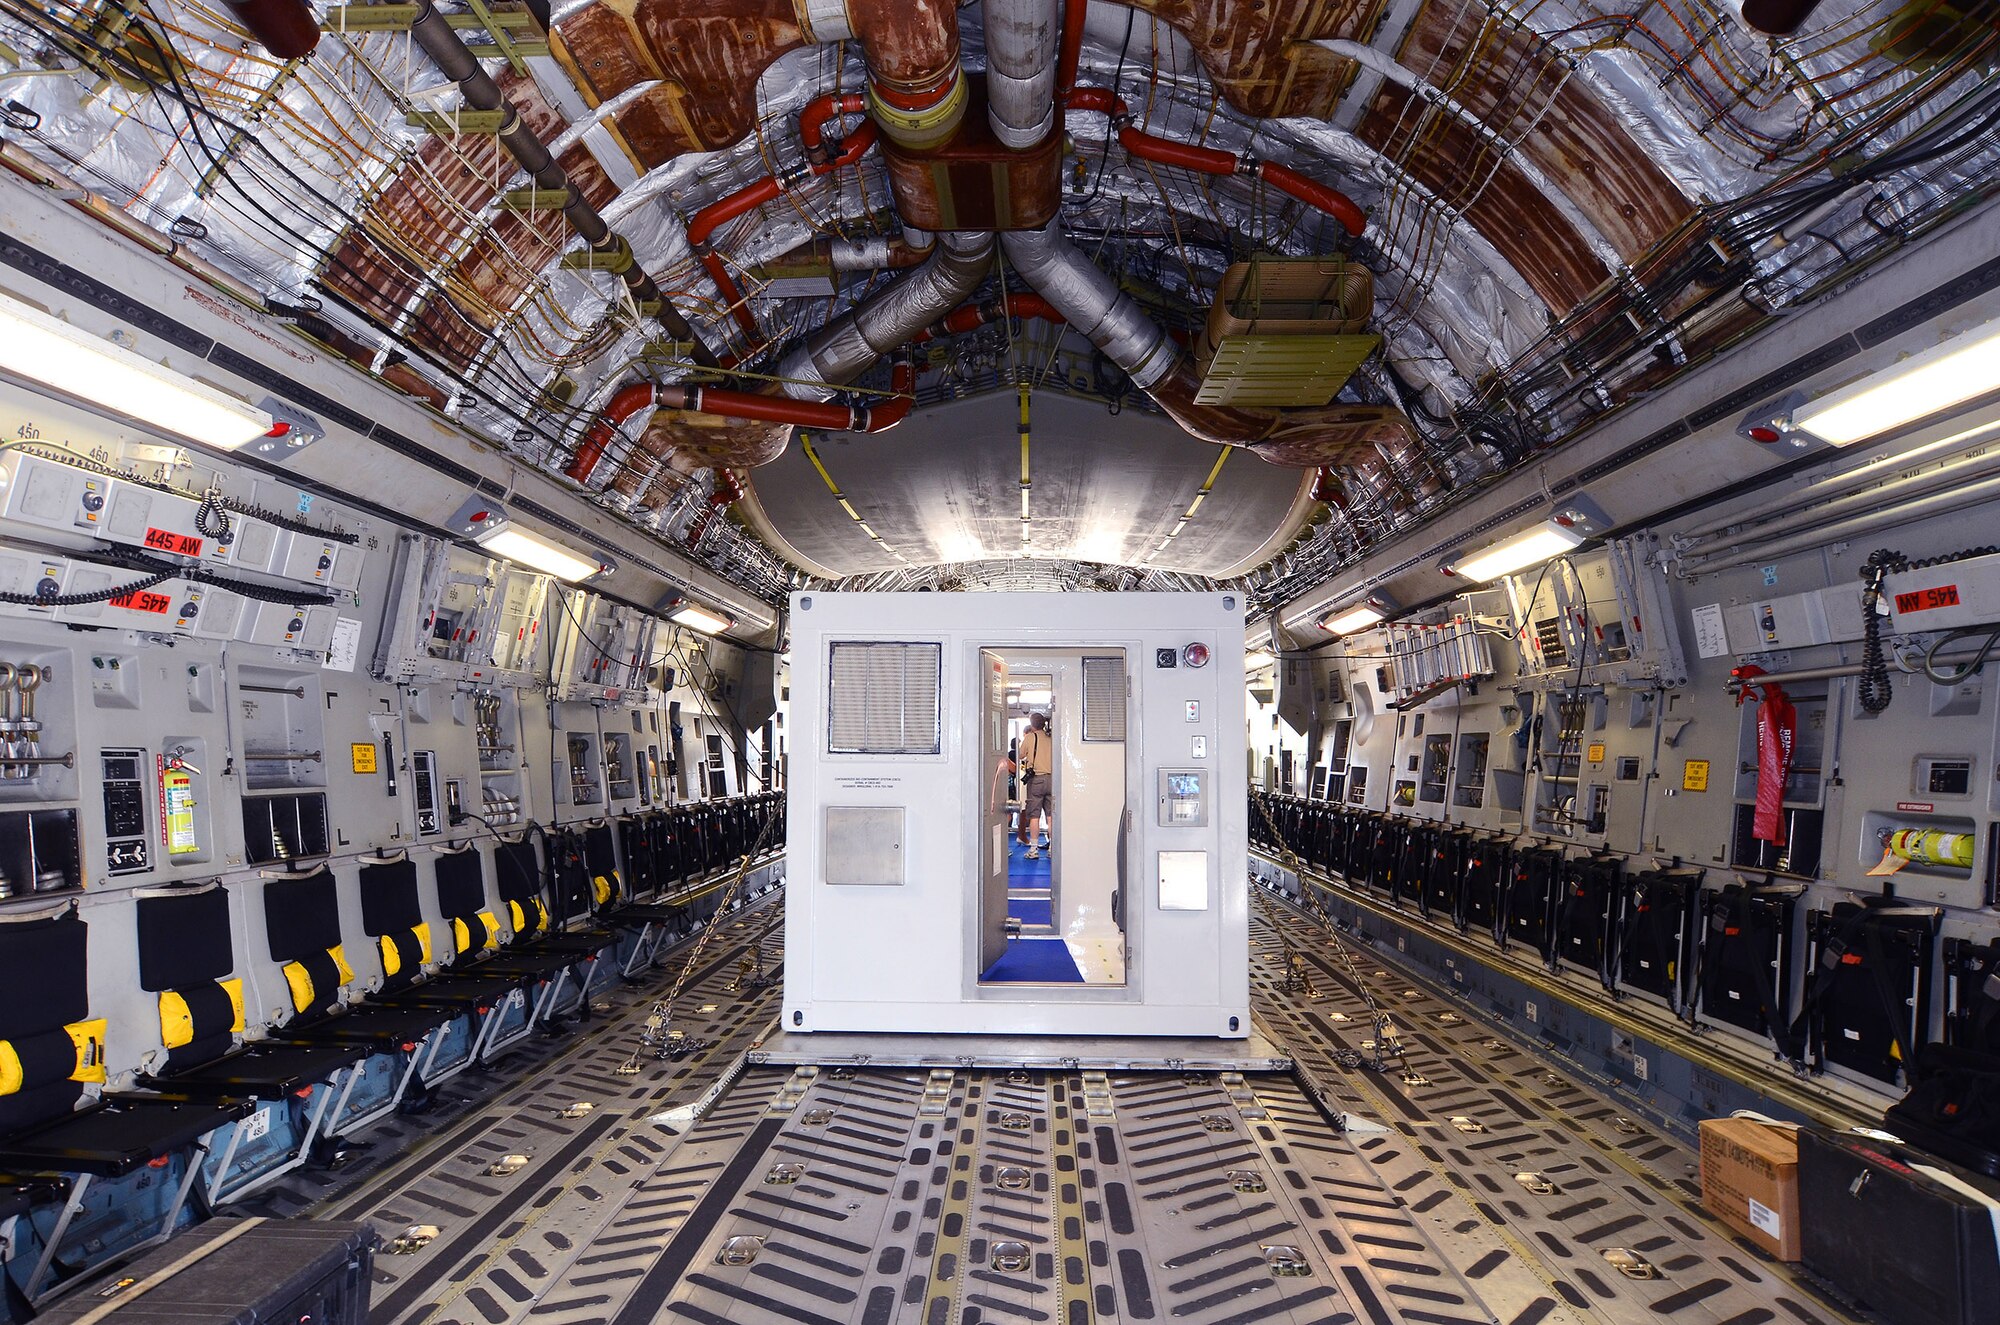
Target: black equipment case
<point>236,1272</point>
<point>1913,1248</point>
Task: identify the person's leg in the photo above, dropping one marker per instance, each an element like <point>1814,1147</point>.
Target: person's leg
<point>1032,812</point>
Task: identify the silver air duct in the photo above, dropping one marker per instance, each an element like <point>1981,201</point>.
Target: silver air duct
<point>1021,70</point>
<point>843,349</point>
<point>1092,302</point>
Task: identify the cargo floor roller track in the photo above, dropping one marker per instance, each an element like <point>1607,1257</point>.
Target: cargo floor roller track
<point>869,1192</point>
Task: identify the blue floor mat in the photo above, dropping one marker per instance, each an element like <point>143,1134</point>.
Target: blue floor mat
<point>1025,873</point>
<point>1035,961</point>
<point>1031,910</point>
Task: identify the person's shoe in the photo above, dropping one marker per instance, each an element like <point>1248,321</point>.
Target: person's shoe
<point>1034,853</point>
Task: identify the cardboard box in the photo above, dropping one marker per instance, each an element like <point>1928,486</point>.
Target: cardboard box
<point>1750,1181</point>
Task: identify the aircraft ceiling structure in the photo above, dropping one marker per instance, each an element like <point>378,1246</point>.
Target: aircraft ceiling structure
<point>658,245</point>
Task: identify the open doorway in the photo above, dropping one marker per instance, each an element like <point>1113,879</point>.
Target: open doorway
<point>1053,840</point>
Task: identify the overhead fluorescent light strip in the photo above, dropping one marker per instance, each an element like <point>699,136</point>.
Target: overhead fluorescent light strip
<point>1961,369</point>
<point>699,618</point>
<point>537,552</point>
<point>1359,617</point>
<point>51,352</point>
<point>1530,547</point>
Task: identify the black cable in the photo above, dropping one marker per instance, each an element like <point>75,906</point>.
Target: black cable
<point>505,363</point>
<point>1874,690</point>
<point>84,599</point>
<point>210,519</point>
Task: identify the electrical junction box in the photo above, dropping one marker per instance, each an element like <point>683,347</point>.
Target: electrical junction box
<point>249,545</point>
<point>1794,621</point>
<point>49,494</point>
<point>1944,597</point>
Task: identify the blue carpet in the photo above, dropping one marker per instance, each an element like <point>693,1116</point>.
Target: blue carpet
<point>1031,910</point>
<point>1035,961</point>
<point>1025,873</point>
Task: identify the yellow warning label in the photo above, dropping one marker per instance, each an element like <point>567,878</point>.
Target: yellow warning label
<point>1596,752</point>
<point>1694,775</point>
<point>363,753</point>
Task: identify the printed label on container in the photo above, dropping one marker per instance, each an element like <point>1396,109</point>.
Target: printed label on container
<point>166,540</point>
<point>143,600</point>
<point>1765,1218</point>
<point>1924,600</point>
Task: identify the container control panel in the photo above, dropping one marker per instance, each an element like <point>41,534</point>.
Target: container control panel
<point>1184,798</point>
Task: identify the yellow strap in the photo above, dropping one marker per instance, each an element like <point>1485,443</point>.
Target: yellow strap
<point>176,1020</point>
<point>234,988</point>
<point>10,1068</point>
<point>461,935</point>
<point>601,886</point>
<point>492,923</point>
<point>423,933</point>
<point>88,1037</point>
<point>392,960</point>
<point>340,964</point>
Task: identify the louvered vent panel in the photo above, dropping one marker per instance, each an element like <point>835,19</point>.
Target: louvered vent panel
<point>1104,699</point>
<point>882,698</point>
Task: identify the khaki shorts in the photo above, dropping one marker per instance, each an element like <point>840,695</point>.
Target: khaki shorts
<point>1035,800</point>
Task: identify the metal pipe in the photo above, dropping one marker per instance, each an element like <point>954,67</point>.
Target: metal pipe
<point>287,29</point>
<point>297,692</point>
<point>812,123</point>
<point>1020,70</point>
<point>1092,302</point>
<point>916,86</point>
<point>1076,16</point>
<point>430,30</point>
<point>1888,494</point>
<point>1831,672</point>
<point>844,348</point>
<point>1937,504</point>
<point>1939,450</point>
<point>1214,161</point>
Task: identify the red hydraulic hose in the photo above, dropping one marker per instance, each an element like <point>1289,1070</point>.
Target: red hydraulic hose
<point>966,317</point>
<point>1213,161</point>
<point>287,29</point>
<point>812,126</point>
<point>747,405</point>
<point>728,491</point>
<point>597,438</point>
<point>1072,45</point>
<point>827,106</point>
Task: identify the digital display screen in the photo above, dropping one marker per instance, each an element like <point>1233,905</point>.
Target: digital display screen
<point>1183,784</point>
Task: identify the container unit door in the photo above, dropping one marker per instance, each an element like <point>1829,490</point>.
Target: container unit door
<point>993,809</point>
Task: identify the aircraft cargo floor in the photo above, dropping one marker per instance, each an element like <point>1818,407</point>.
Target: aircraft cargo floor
<point>1474,1183</point>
